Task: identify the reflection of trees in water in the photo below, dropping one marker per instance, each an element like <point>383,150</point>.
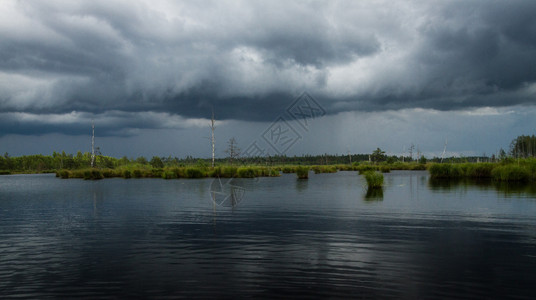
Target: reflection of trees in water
<point>374,194</point>
<point>440,184</point>
<point>227,193</point>
<point>97,198</point>
<point>516,188</point>
<point>301,185</point>
<point>507,188</point>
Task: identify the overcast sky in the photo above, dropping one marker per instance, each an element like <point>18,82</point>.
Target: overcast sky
<point>377,73</point>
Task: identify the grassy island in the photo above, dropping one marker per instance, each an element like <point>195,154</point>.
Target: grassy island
<point>520,170</point>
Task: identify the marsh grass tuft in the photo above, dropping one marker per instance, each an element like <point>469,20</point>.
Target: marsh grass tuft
<point>480,170</point>
<point>347,167</point>
<point>364,168</point>
<point>288,169</point>
<point>385,169</point>
<point>511,172</point>
<point>63,174</point>
<point>194,173</point>
<point>374,180</point>
<point>247,172</point>
<point>324,169</point>
<point>93,174</point>
<point>302,172</point>
<point>445,171</point>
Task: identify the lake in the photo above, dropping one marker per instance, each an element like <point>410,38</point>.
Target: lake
<point>319,238</point>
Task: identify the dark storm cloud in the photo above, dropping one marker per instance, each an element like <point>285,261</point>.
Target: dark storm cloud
<point>249,60</point>
<point>110,123</point>
<point>490,50</point>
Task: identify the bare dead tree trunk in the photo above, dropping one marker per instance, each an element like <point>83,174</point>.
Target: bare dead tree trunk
<point>212,127</point>
<point>92,144</point>
<point>232,150</point>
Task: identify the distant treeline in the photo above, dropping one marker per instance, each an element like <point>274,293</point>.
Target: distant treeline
<point>49,163</point>
<point>521,147</point>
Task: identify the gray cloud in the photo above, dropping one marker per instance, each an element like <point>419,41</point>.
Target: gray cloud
<point>249,60</point>
<point>110,123</point>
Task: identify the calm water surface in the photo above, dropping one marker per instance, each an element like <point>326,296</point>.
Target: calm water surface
<point>324,237</point>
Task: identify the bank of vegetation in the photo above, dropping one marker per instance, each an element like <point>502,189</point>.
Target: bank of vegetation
<point>517,165</point>
<point>202,170</point>
<point>324,163</point>
<point>520,170</point>
<point>170,172</point>
<point>79,164</point>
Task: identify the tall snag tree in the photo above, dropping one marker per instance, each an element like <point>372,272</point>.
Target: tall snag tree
<point>232,150</point>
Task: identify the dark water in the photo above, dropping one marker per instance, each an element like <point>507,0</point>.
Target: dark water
<point>324,237</point>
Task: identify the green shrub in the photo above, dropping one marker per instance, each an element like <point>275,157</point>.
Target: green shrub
<point>126,174</point>
<point>193,173</point>
<point>170,174</point>
<point>64,174</point>
<point>136,173</point>
<point>156,173</point>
